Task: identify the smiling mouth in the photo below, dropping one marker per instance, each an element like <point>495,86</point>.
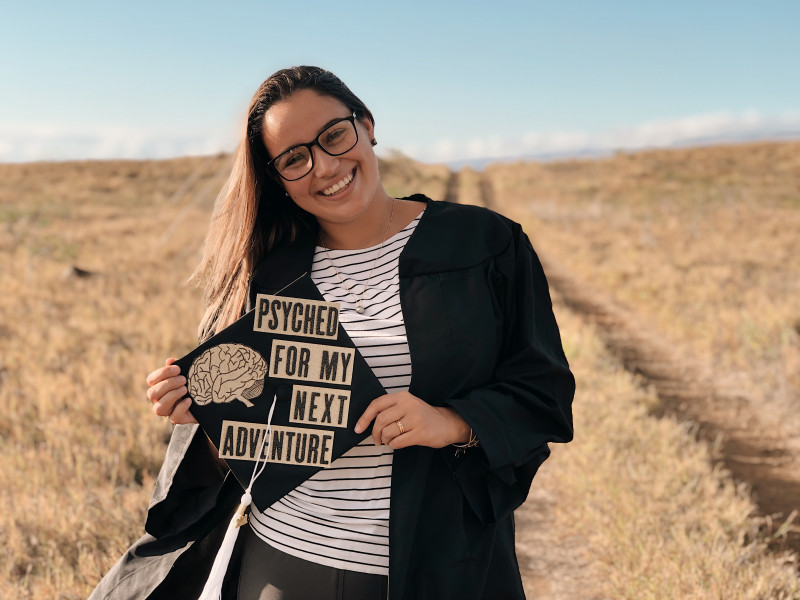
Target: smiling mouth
<point>339,186</point>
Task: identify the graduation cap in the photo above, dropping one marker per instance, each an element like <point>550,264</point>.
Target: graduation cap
<point>278,393</point>
<point>293,351</point>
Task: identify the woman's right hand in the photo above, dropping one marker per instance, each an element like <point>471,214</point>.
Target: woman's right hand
<point>167,393</point>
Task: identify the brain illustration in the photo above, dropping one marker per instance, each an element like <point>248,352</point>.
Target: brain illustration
<point>226,373</point>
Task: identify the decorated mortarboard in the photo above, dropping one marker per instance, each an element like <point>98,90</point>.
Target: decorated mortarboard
<point>278,393</point>
<point>294,351</point>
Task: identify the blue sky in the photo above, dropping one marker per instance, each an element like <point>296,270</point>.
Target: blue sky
<point>447,81</point>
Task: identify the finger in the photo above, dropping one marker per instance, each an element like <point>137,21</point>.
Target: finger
<point>385,427</point>
<point>168,402</point>
<point>376,406</point>
<point>160,389</point>
<point>410,438</point>
<point>163,373</point>
<point>182,415</point>
<point>165,409</point>
<point>392,431</point>
<point>391,415</point>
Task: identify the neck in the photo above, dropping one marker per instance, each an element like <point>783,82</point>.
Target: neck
<point>369,230</point>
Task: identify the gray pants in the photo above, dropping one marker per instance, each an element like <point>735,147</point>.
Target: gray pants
<point>269,574</point>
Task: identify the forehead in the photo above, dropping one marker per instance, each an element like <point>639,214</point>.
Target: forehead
<point>299,119</point>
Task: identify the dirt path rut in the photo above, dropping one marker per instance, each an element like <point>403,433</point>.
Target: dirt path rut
<point>750,448</point>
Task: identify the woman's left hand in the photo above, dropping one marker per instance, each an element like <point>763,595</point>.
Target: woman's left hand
<point>422,424</point>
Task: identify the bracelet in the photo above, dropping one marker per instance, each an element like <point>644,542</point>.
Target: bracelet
<point>473,441</point>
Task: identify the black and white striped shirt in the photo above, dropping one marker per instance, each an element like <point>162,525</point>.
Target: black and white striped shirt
<point>340,516</point>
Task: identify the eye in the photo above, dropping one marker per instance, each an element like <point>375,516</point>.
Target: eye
<point>292,158</point>
<point>336,134</point>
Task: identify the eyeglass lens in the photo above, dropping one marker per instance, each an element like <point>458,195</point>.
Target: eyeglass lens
<point>335,140</point>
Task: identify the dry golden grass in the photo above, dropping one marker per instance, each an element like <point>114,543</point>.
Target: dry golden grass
<point>402,176</point>
<point>79,447</point>
<point>656,519</point>
<point>469,191</point>
<point>702,242</point>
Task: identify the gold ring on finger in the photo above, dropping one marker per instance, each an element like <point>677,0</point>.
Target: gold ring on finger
<point>400,427</point>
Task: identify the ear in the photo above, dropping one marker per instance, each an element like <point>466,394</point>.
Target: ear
<point>368,126</point>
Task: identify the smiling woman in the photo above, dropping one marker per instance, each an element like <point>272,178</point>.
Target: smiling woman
<point>449,308</point>
<point>340,186</point>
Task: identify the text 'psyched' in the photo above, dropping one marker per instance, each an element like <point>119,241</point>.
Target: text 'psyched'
<point>296,316</point>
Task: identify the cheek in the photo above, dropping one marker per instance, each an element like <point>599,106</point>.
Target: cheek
<point>303,201</point>
<point>297,190</point>
<point>369,163</point>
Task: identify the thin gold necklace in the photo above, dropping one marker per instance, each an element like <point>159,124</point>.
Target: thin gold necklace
<point>358,303</point>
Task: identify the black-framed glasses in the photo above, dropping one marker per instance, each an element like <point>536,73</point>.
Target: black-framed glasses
<point>339,137</point>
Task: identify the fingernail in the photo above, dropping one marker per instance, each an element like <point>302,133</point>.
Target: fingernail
<point>182,379</point>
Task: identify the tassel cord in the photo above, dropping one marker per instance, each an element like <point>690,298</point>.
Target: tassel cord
<point>213,587</point>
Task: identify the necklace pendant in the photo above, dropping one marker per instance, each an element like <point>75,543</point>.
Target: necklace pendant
<point>360,309</point>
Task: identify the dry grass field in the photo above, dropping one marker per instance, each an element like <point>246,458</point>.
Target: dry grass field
<point>701,248</point>
<point>632,509</point>
<point>702,242</point>
<point>79,448</point>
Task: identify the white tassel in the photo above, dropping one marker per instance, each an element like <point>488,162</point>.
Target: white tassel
<point>213,587</point>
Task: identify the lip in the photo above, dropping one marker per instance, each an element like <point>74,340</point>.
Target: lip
<point>343,190</point>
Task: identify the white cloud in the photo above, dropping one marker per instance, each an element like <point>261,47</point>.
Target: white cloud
<point>706,128</point>
<point>445,147</point>
<point>30,142</point>
<point>480,147</point>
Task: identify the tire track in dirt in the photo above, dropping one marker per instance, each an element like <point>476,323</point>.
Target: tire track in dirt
<point>687,389</point>
<point>452,187</point>
<point>553,566</point>
<point>486,192</point>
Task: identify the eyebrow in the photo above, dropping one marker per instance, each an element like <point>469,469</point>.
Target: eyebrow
<point>321,129</point>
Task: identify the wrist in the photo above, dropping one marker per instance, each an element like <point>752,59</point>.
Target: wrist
<point>461,431</point>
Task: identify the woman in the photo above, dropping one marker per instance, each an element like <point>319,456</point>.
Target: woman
<point>450,308</point>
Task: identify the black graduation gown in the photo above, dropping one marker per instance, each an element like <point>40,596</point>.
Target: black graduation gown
<point>483,340</point>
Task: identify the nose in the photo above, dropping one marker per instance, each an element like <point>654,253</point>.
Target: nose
<point>325,165</point>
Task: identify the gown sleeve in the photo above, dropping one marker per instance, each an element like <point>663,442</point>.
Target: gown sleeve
<point>527,403</point>
<point>189,484</point>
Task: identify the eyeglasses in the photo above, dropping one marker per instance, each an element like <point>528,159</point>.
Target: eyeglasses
<point>341,136</point>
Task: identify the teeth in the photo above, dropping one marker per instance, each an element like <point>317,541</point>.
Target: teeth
<point>337,186</point>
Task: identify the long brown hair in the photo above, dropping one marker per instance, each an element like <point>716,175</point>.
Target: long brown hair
<point>252,214</point>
